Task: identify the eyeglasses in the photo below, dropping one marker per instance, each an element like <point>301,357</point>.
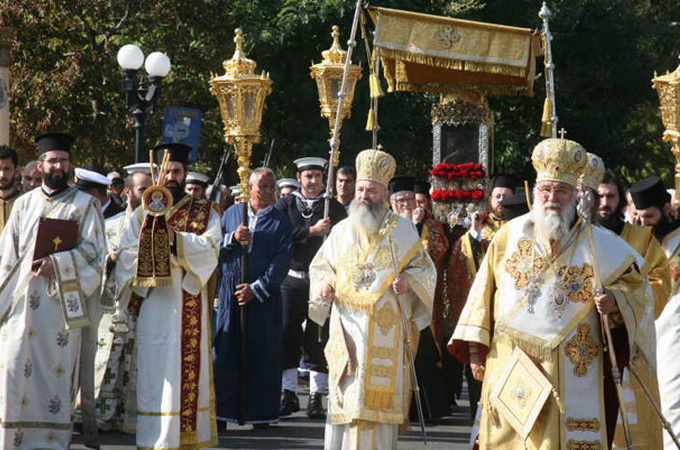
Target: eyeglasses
<point>561,193</point>
<point>55,161</point>
<point>404,200</point>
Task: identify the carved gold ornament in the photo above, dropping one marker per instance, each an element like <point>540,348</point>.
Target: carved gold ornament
<point>582,350</point>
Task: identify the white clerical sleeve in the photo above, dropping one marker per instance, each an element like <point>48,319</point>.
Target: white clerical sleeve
<point>197,253</point>
<point>9,260</point>
<point>322,271</point>
<point>126,267</point>
<point>87,258</point>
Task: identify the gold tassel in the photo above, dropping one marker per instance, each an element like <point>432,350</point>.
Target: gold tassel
<point>546,122</point>
<point>375,87</point>
<point>371,123</point>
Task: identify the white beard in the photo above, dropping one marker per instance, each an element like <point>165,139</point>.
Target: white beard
<point>553,224</point>
<point>366,216</point>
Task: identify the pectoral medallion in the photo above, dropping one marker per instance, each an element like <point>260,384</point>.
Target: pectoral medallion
<point>363,276</point>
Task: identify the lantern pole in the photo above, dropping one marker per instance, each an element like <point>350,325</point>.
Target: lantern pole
<point>241,95</point>
<point>336,113</point>
<point>668,88</point>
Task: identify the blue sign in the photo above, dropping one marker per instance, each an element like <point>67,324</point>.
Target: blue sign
<point>183,125</point>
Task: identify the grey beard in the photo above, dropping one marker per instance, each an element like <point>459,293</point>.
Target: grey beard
<point>366,216</point>
<point>551,224</point>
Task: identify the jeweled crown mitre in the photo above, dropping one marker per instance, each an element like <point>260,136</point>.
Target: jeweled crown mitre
<point>593,172</point>
<point>375,165</point>
<point>559,160</point>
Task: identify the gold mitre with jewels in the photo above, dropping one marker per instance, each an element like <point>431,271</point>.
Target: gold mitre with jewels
<point>593,172</point>
<point>559,160</point>
<point>375,165</point>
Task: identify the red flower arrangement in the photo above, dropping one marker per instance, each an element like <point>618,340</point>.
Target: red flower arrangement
<point>443,195</point>
<point>471,171</point>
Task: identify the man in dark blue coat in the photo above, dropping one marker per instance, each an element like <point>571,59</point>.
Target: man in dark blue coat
<point>269,235</point>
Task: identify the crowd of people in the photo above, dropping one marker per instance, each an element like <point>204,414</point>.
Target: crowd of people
<point>140,300</point>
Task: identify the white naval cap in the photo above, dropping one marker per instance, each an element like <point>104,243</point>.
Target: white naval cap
<point>113,175</point>
<point>310,163</point>
<point>197,178</point>
<point>235,190</point>
<point>89,177</point>
<point>142,167</point>
<point>288,182</point>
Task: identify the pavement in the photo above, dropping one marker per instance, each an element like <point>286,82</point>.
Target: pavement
<point>299,432</point>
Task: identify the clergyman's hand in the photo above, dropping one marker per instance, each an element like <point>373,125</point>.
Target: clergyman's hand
<point>606,303</point>
<point>43,267</point>
<point>244,294</point>
<point>400,285</point>
<point>327,293</point>
<point>477,367</point>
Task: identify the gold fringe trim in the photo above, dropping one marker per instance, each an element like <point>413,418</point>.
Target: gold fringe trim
<point>379,400</point>
<point>454,64</point>
<point>153,282</point>
<point>402,86</point>
<point>363,302</point>
<point>536,348</point>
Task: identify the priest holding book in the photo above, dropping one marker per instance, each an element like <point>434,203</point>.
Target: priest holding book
<point>51,259</point>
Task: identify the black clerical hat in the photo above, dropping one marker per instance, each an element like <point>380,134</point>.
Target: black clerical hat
<point>399,184</point>
<point>649,192</point>
<point>515,205</point>
<point>422,187</point>
<point>54,142</point>
<point>178,152</point>
<point>506,180</point>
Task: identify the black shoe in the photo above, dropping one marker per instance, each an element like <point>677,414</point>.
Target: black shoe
<point>221,425</point>
<point>315,407</point>
<point>289,403</point>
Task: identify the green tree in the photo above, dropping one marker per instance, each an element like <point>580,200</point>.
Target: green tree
<point>65,76</point>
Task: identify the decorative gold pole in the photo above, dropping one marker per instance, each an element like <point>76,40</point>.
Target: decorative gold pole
<point>668,88</point>
<point>241,95</point>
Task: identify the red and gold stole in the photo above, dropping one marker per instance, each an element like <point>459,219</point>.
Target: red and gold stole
<point>191,216</point>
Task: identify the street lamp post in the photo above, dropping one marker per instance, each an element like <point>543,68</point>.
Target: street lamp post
<point>142,97</point>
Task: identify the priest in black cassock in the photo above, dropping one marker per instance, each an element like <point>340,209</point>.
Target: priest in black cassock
<point>270,248</point>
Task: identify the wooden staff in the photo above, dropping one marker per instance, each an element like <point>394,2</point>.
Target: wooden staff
<point>242,399</point>
<point>407,343</point>
<point>604,323</point>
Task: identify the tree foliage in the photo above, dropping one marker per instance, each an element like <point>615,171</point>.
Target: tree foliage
<point>65,76</point>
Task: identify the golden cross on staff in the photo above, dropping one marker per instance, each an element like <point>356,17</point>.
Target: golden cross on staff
<point>562,133</point>
<point>57,240</point>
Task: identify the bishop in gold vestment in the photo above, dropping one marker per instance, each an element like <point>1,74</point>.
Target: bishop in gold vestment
<point>530,327</point>
<point>369,380</point>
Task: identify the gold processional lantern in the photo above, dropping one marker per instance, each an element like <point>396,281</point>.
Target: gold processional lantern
<point>668,88</point>
<point>241,95</point>
<point>328,76</point>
